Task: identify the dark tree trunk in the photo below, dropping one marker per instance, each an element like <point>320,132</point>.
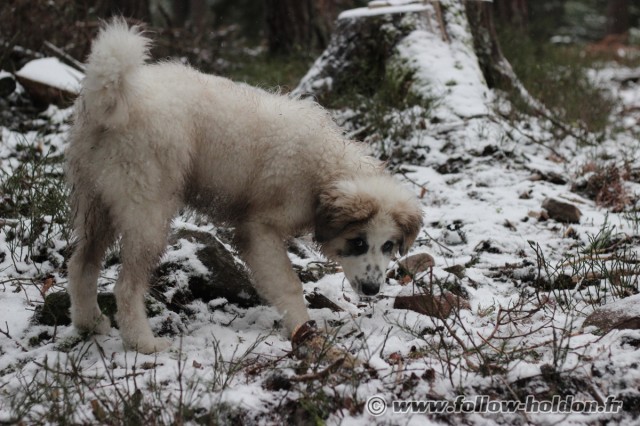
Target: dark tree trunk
<point>326,12</point>
<point>514,12</point>
<point>617,17</point>
<point>135,9</point>
<point>496,68</point>
<point>180,12</point>
<point>194,12</point>
<point>301,24</point>
<point>485,40</point>
<point>288,25</point>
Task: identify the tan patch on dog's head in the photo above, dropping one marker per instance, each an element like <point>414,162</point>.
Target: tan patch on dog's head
<point>362,223</point>
<point>340,208</point>
<point>408,217</point>
<point>351,204</point>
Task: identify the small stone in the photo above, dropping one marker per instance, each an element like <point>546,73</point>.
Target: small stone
<point>277,381</point>
<point>320,301</point>
<point>440,306</point>
<point>618,315</point>
<point>416,263</point>
<point>55,309</point>
<point>562,212</point>
<point>457,270</point>
<point>556,178</point>
<point>7,86</point>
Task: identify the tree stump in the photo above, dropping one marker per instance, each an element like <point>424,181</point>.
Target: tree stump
<point>392,71</point>
<point>403,49</point>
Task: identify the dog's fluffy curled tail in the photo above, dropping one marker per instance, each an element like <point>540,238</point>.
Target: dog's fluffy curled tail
<point>115,55</point>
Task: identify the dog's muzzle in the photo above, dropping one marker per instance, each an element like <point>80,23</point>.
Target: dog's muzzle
<point>369,288</point>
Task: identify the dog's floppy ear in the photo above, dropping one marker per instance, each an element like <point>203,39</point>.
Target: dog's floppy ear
<point>408,217</point>
<point>340,206</point>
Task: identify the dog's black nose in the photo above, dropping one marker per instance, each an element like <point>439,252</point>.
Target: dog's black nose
<point>370,289</point>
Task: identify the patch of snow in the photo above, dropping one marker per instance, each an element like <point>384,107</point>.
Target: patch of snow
<point>373,11</point>
<point>52,72</point>
<point>447,70</point>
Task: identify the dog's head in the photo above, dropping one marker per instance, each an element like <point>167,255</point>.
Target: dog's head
<point>362,223</point>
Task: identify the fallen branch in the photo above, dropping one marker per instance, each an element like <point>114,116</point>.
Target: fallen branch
<point>534,140</point>
<point>8,336</point>
<point>595,258</point>
<point>320,374</point>
<point>601,276</point>
<point>9,222</point>
<point>65,57</point>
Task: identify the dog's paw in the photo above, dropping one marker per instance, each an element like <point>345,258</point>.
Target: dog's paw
<point>93,324</point>
<point>149,345</point>
<point>313,346</point>
<point>102,325</point>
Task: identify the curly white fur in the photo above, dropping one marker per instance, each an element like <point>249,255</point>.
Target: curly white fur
<point>149,139</point>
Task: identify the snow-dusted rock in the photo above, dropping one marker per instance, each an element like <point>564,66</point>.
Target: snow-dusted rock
<point>561,211</point>
<point>617,315</point>
<point>50,81</point>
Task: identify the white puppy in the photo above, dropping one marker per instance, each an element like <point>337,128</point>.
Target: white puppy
<point>149,139</point>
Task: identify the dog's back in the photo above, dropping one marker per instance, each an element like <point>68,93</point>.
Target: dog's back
<point>225,148</point>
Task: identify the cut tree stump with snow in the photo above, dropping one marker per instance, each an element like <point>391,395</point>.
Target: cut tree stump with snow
<point>414,54</point>
<point>396,68</point>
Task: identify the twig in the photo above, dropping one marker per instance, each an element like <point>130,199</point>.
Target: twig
<point>232,320</point>
<point>601,276</point>
<point>404,172</point>
<point>357,132</point>
<point>442,246</point>
<point>595,257</point>
<point>320,374</point>
<point>536,141</point>
<point>441,24</point>
<point>6,333</point>
<point>9,222</point>
<point>384,342</point>
<point>70,60</point>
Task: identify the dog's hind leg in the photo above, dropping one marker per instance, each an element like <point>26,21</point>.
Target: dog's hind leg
<point>264,251</point>
<point>94,235</point>
<point>144,235</point>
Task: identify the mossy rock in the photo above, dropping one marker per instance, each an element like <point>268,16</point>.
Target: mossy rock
<point>55,309</point>
<point>227,278</point>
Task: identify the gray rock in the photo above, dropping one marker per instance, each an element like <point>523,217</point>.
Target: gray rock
<point>562,212</point>
<point>440,306</point>
<point>617,315</point>
<point>226,278</point>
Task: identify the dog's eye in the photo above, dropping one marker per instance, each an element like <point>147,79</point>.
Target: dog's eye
<point>357,246</point>
<point>357,242</point>
<point>387,247</point>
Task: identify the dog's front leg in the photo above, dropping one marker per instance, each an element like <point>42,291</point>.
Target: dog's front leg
<point>264,251</point>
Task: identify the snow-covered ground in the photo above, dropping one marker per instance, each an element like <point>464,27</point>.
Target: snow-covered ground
<point>482,183</point>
